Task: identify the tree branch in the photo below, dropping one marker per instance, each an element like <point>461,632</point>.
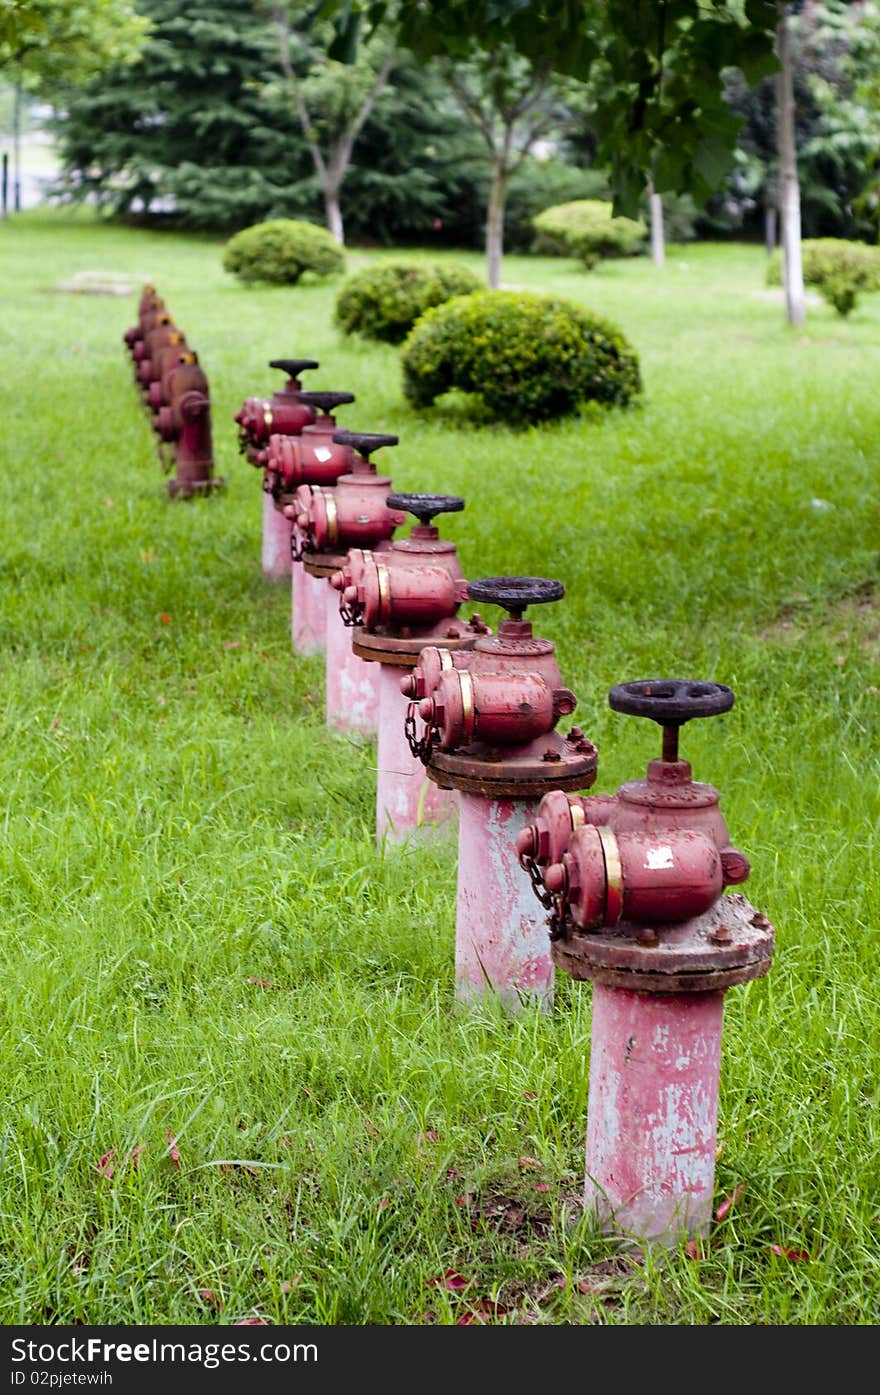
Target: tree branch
<point>287,69</point>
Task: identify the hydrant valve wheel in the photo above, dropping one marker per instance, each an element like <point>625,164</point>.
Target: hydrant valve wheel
<point>364,442</point>
<point>325,401</point>
<point>425,506</point>
<point>293,366</point>
<point>671,702</point>
<point>514,593</point>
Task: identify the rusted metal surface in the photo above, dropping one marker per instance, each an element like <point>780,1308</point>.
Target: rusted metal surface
<point>408,805</point>
<point>653,1113</point>
<point>551,762</point>
<point>404,651</point>
<point>729,943</point>
<point>501,947</point>
<point>276,530</point>
<point>351,700</point>
<point>308,611</point>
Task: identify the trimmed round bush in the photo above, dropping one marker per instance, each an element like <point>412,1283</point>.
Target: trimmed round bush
<point>587,230</point>
<point>384,302</point>
<point>529,356</point>
<point>838,268</point>
<point>280,250</point>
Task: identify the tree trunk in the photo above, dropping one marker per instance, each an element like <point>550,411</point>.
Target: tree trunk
<point>658,240</point>
<point>770,227</point>
<point>333,214</point>
<point>789,190</point>
<point>16,149</point>
<point>495,225</point>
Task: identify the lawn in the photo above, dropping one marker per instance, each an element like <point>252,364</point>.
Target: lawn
<point>236,1082</point>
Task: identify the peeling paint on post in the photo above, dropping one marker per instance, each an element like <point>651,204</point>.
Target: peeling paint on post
<point>351,700</point>
<point>408,804</point>
<point>276,539</point>
<point>501,943</point>
<point>308,611</point>
<point>653,1111</point>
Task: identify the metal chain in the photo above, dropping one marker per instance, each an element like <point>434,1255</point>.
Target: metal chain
<point>421,747</point>
<point>349,619</point>
<point>530,865</point>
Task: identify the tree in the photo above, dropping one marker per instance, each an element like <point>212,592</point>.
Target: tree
<point>510,102</point>
<point>188,132</point>
<point>789,189</point>
<point>332,99</point>
<point>661,65</point>
<point>45,43</point>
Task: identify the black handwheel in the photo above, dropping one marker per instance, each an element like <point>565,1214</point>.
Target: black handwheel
<point>425,506</point>
<point>671,702</point>
<point>325,401</point>
<point>514,593</point>
<point>364,442</point>
<point>293,366</point>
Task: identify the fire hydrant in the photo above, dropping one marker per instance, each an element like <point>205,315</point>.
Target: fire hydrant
<point>490,715</point>
<point>398,603</point>
<point>329,521</point>
<point>184,422</point>
<point>634,888</point>
<point>312,457</point>
<point>258,419</point>
<point>148,369</point>
<point>149,303</point>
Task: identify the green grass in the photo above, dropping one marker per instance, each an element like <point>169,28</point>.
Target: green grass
<point>178,822</point>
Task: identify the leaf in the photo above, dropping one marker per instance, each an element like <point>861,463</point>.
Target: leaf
<point>173,1154</point>
<point>451,1280</point>
<point>262,983</point>
<point>541,1187</point>
<point>165,618</point>
<point>210,1296</point>
<point>692,1249</point>
<point>250,1322</point>
<point>793,1255</point>
<point>136,1154</point>
<point>531,1162</point>
<point>730,1201</point>
<point>371,1128</point>
<point>105,1165</point>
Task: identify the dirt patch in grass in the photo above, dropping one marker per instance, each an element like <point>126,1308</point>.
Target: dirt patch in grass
<point>854,620</point>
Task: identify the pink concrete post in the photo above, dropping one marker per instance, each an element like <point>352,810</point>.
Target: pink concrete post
<point>407,802</point>
<point>653,1112</point>
<point>276,539</point>
<point>351,700</point>
<point>308,611</point>
<point>502,946</point>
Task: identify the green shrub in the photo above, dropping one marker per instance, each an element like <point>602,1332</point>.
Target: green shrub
<point>838,268</point>
<point>280,250</point>
<point>530,356</point>
<point>587,230</point>
<point>384,301</point>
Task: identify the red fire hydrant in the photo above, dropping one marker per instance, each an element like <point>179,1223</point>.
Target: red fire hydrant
<point>184,423</point>
<point>634,887</point>
<point>148,368</point>
<point>149,303</point>
<point>328,521</point>
<point>490,715</point>
<point>258,419</point>
<point>312,457</point>
<point>398,603</point>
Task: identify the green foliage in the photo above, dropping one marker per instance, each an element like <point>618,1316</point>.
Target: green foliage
<point>53,42</point>
<point>384,301</point>
<point>839,269</point>
<point>280,250</point>
<point>188,134</point>
<point>587,230</point>
<point>530,356</point>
